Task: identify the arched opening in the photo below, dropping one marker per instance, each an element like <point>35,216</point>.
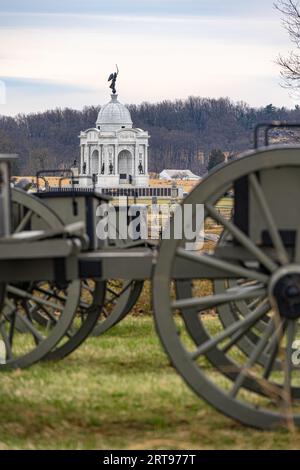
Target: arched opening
<point>125,161</point>
<point>95,162</point>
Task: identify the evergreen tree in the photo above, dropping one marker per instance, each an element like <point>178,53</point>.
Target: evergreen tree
<point>215,158</point>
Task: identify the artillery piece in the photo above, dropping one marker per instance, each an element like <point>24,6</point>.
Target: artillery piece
<point>29,259</point>
<point>227,313</point>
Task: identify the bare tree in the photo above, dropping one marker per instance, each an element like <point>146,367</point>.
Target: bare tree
<point>290,65</point>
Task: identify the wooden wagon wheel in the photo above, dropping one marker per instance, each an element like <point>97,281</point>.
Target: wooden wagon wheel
<point>87,315</point>
<point>121,295</point>
<point>21,299</point>
<point>228,314</point>
<point>120,298</point>
<point>102,305</point>
<point>270,273</point>
<point>231,312</point>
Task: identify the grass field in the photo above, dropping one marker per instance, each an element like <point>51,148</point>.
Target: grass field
<point>118,391</point>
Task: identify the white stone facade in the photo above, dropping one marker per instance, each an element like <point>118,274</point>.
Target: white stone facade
<point>114,153</point>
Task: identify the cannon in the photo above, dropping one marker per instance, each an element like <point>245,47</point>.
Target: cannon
<point>31,261</point>
<point>227,310</point>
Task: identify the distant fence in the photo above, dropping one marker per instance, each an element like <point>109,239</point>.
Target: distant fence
<point>127,192</point>
<point>139,192</point>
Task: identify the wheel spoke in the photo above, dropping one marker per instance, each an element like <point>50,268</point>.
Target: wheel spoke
<point>24,222</point>
<point>50,315</point>
<point>243,239</point>
<point>253,304</point>
<point>274,348</point>
<point>110,301</point>
<point>124,289</point>
<point>84,305</point>
<point>112,292</point>
<point>239,334</point>
<point>257,351</point>
<point>52,318</point>
<point>241,325</point>
<point>30,328</point>
<point>49,293</point>
<point>268,217</point>
<point>39,300</point>
<point>12,327</point>
<point>86,286</point>
<point>214,300</point>
<point>105,312</point>
<point>27,310</point>
<point>223,266</point>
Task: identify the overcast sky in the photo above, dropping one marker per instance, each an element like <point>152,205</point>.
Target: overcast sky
<point>58,53</point>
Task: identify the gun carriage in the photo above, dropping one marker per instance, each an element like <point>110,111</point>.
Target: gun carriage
<point>109,301</point>
<point>227,314</point>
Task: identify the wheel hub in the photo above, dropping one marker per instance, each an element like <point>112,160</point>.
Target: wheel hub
<point>285,291</point>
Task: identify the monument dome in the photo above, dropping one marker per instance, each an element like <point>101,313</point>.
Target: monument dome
<point>114,115</point>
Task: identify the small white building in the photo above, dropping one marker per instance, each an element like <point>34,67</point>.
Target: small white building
<point>114,153</point>
<point>178,175</point>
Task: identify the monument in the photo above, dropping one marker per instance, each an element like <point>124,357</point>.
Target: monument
<point>114,153</point>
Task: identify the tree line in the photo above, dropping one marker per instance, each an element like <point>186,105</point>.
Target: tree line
<point>181,131</point>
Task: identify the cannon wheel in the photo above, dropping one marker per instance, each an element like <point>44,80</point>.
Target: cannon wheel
<point>102,305</point>
<point>274,397</point>
<point>22,299</point>
<point>228,314</point>
<point>89,309</point>
<point>121,296</point>
<point>98,309</point>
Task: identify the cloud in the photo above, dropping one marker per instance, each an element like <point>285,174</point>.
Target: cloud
<point>61,52</point>
<point>33,95</point>
<point>141,7</point>
<point>106,30</point>
<point>37,86</point>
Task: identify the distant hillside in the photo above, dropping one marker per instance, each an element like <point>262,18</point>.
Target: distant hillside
<point>180,131</point>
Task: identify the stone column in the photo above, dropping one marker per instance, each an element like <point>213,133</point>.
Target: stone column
<point>146,159</point>
<point>101,157</point>
<point>136,159</point>
<point>81,158</point>
<point>113,160</point>
<point>99,160</point>
<point>89,160</point>
<point>116,165</point>
<point>105,159</point>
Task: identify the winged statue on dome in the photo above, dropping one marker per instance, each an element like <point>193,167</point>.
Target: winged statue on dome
<point>113,78</point>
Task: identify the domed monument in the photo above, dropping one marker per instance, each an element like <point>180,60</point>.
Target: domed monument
<point>114,153</point>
